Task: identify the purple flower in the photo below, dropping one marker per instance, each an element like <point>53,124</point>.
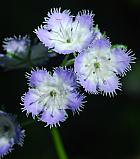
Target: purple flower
<point>50,95</point>
<point>16,45</point>
<point>98,66</point>
<point>10,133</point>
<point>21,54</point>
<point>65,34</point>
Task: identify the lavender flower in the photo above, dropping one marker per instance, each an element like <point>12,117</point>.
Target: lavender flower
<point>16,45</point>
<point>64,34</point>
<point>50,95</point>
<point>10,133</point>
<point>21,54</point>
<point>98,66</point>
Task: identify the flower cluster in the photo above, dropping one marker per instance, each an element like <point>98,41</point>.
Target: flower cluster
<point>10,133</point>
<point>98,63</point>
<point>50,95</point>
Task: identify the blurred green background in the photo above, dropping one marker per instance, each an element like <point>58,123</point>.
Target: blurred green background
<point>107,127</point>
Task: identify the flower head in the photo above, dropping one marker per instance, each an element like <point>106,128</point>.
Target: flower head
<point>64,33</point>
<point>51,94</point>
<point>10,133</point>
<point>16,45</point>
<point>98,66</point>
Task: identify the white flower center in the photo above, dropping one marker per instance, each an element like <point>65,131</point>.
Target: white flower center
<point>71,37</point>
<point>97,65</point>
<point>53,94</point>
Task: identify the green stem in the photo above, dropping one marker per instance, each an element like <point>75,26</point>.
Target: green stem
<point>69,62</point>
<point>58,144</point>
<point>56,138</point>
<point>65,60</point>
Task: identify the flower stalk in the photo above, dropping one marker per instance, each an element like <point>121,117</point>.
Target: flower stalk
<point>58,144</point>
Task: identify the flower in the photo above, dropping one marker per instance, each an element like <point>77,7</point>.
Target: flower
<point>21,54</point>
<point>50,95</point>
<point>64,34</point>
<point>16,45</point>
<point>98,66</point>
<point>10,133</point>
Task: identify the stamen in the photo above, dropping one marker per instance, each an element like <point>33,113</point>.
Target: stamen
<point>97,65</point>
<point>53,93</point>
<point>68,41</point>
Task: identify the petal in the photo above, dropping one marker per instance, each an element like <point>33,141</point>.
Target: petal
<point>38,77</point>
<point>31,104</point>
<point>101,44</point>
<point>79,62</point>
<point>44,37</point>
<point>89,85</point>
<point>56,19</point>
<point>110,85</point>
<point>53,117</point>
<point>67,75</point>
<point>5,146</point>
<point>122,60</point>
<point>82,36</point>
<point>20,134</point>
<point>75,101</point>
<point>85,18</point>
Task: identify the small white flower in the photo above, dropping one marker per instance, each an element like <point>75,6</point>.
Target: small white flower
<point>16,45</point>
<point>66,34</point>
<point>51,95</point>
<point>95,68</point>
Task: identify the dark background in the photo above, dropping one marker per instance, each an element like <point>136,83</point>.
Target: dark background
<point>107,127</point>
